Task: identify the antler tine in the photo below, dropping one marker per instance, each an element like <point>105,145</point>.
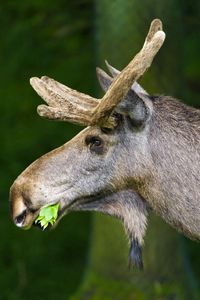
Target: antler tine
<point>156,25</point>
<point>65,104</point>
<point>62,114</point>
<point>136,87</point>
<point>76,115</point>
<point>69,94</point>
<point>134,70</point>
<point>56,94</point>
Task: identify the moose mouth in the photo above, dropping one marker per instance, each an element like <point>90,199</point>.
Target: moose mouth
<point>98,202</point>
<point>61,212</point>
<point>90,203</point>
<point>76,205</point>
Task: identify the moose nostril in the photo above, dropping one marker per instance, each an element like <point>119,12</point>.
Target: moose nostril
<point>19,220</point>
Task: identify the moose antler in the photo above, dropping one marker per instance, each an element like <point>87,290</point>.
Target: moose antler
<point>64,103</point>
<point>136,87</point>
<point>69,105</point>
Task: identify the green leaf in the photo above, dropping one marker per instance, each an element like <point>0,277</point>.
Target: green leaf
<point>48,214</point>
<point>39,218</point>
<point>45,226</point>
<point>43,222</point>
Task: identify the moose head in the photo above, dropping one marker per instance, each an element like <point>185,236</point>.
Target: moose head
<point>138,151</point>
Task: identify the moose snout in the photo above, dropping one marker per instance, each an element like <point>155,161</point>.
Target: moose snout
<point>22,213</point>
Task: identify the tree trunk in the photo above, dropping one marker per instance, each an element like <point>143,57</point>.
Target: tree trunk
<point>121,27</point>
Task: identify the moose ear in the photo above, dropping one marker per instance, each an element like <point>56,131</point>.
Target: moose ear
<point>136,103</point>
<point>136,107</point>
<point>104,79</point>
<point>136,87</point>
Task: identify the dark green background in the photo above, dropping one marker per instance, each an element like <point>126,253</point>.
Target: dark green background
<point>65,40</point>
<point>36,38</point>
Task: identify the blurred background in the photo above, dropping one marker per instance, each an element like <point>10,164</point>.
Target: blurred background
<point>86,256</point>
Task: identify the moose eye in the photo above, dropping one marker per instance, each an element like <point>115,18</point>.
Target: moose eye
<point>95,144</point>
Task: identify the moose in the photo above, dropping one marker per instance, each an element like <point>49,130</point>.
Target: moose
<point>138,152</point>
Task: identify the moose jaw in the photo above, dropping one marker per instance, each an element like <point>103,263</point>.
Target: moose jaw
<point>138,152</point>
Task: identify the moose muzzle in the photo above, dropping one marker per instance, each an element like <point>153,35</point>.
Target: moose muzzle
<point>22,213</point>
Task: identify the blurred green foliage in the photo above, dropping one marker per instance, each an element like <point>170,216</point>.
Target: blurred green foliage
<point>37,38</point>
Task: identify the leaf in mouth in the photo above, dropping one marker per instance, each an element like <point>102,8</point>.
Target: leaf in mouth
<point>48,214</point>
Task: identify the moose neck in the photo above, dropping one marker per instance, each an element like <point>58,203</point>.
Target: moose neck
<point>174,155</point>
